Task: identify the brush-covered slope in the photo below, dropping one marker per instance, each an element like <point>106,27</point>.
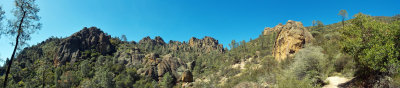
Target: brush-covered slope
<point>91,58</point>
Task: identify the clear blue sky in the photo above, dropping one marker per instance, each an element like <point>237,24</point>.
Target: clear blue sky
<point>180,20</point>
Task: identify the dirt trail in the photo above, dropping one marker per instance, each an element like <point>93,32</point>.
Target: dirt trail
<point>334,81</point>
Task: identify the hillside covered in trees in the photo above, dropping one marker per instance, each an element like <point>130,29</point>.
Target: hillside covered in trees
<point>288,55</point>
<point>362,52</point>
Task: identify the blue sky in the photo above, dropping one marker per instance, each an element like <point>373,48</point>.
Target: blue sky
<point>180,20</point>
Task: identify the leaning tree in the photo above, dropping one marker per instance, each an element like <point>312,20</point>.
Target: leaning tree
<point>25,23</point>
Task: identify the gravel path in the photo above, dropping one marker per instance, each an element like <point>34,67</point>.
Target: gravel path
<point>334,81</point>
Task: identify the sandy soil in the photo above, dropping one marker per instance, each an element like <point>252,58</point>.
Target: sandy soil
<point>334,81</point>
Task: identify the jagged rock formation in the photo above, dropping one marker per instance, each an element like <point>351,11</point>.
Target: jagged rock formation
<point>156,67</point>
<point>156,64</point>
<point>268,30</point>
<point>177,46</point>
<point>207,43</point>
<point>169,64</point>
<point>291,37</point>
<point>86,39</point>
<point>132,57</point>
<point>157,41</point>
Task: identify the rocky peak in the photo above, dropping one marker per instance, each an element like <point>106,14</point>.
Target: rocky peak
<point>267,30</point>
<point>192,41</point>
<point>208,43</point>
<point>86,39</point>
<point>145,40</point>
<point>291,37</point>
<point>289,25</point>
<point>174,42</point>
<point>157,40</point>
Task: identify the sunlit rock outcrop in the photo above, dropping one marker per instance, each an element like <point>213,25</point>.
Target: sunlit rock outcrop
<point>291,37</point>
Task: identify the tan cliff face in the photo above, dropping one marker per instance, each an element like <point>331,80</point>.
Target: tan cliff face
<point>291,37</point>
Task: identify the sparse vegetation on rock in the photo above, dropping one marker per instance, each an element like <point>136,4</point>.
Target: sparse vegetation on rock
<point>286,56</point>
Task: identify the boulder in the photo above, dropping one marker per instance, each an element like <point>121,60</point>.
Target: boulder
<point>158,67</point>
<point>291,37</point>
<point>186,76</point>
<point>169,64</point>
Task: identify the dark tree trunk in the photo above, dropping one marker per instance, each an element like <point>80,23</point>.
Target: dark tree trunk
<point>43,78</point>
<point>343,22</point>
<point>15,49</point>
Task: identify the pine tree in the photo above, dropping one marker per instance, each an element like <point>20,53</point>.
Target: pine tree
<point>344,15</point>
<point>26,24</point>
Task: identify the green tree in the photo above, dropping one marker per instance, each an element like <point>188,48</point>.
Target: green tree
<point>344,15</point>
<point>57,75</point>
<point>243,43</point>
<point>373,44</point>
<point>123,37</point>
<point>310,63</point>
<point>314,23</point>
<point>167,81</point>
<point>261,39</point>
<point>233,44</point>
<point>85,69</point>
<point>42,72</point>
<point>320,25</point>
<point>103,78</point>
<point>397,17</point>
<point>25,24</point>
<point>126,79</point>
